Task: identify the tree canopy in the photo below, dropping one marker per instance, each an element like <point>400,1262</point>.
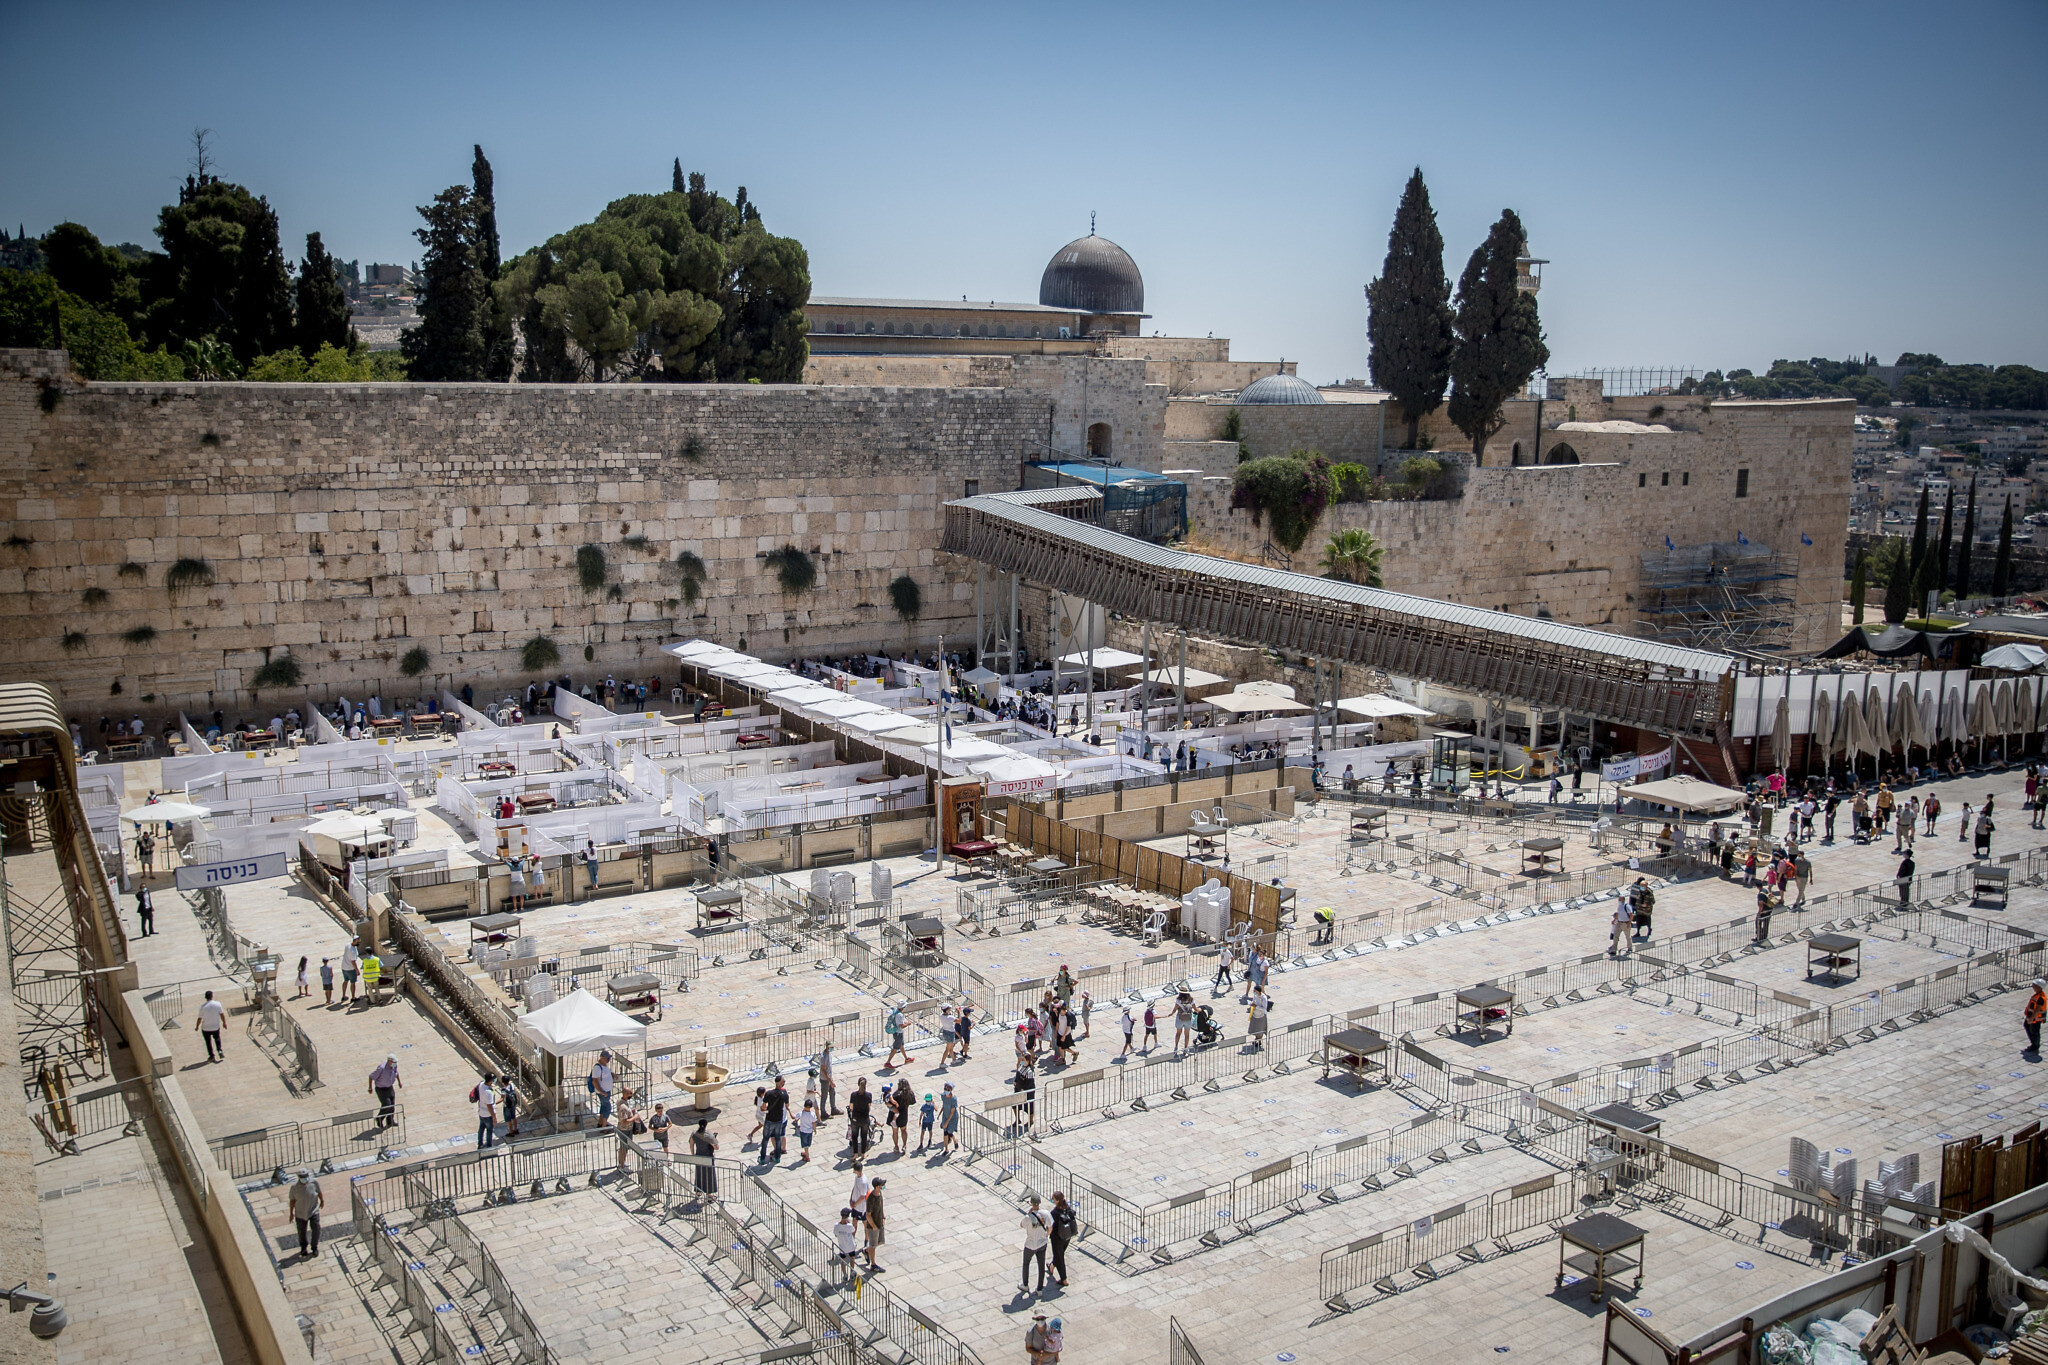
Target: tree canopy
<point>1932,383</point>
<point>1288,492</point>
<point>682,285</point>
<point>222,272</point>
<point>322,314</point>
<point>36,312</point>
<point>1410,323</point>
<point>454,298</point>
<point>1500,337</point>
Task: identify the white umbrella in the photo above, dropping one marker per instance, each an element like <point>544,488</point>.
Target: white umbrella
<point>1822,722</point>
<point>168,812</point>
<point>1953,726</point>
<point>1781,730</point>
<point>1875,732</point>
<point>1980,718</point>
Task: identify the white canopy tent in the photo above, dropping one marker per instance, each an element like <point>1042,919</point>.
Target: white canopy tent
<point>842,707</point>
<point>967,749</point>
<point>1171,677</point>
<point>1245,701</point>
<point>580,1022</point>
<point>1102,659</point>
<point>1015,774</point>
<point>166,812</point>
<point>1688,794</point>
<point>702,652</point>
<point>800,692</point>
<point>1375,706</point>
<point>2015,658</point>
<point>882,721</point>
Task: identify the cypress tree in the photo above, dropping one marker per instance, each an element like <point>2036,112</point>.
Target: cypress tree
<point>1946,560</point>
<point>2001,567</point>
<point>223,270</point>
<point>322,318</point>
<point>1859,586</point>
<point>448,343</point>
<point>1898,589</point>
<point>1923,563</point>
<point>1409,325</point>
<point>1500,337</point>
<point>1964,577</point>
<point>675,177</point>
<point>497,327</point>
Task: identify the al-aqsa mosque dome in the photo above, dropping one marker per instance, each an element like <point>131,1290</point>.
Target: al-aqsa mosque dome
<point>1092,275</point>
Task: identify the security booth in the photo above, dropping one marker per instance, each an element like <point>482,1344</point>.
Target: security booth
<point>915,941</point>
<point>1450,759</point>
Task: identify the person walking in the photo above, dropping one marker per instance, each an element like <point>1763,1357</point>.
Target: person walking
<point>1963,828</point>
<point>806,1128</point>
<point>658,1124</point>
<point>1763,914</point>
<point>892,1025</point>
<point>212,1015</point>
<point>1151,1027</point>
<point>1645,905</point>
<point>1802,874</point>
<point>760,1116</point>
<point>1983,831</point>
<point>1619,925</point>
<point>307,1199</point>
<point>351,965</point>
<point>1749,867</point>
<point>1087,1009</point>
<point>508,1105</point>
<point>949,1023</point>
<point>874,1219</point>
<point>1043,1341</point>
<point>1183,1020</point>
<point>775,1120</point>
<point>1065,1224</point>
<point>384,1084</point>
<point>2036,1010</point>
<point>485,1096</point>
<point>1224,961</point>
<point>900,1100</point>
<point>599,1083</point>
<point>145,911</point>
<point>1904,879</point>
<point>373,972</point>
<point>927,1116</point>
<point>966,1027</point>
<point>857,1195</point>
<point>846,1237</point>
<point>1828,817</point>
<point>949,1118</point>
<point>327,979</point>
<point>1037,1237</point>
<point>145,849</point>
<point>828,1093</point>
<point>1130,1027</point>
<point>704,1146</point>
<point>1024,1084</point>
<point>304,984</point>
<point>1261,1009</point>
<point>1931,809</point>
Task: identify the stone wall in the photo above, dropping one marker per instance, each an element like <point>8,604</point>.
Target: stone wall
<point>347,524</point>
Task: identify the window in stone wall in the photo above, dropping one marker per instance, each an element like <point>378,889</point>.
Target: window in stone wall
<point>973,488</point>
<point>889,329</point>
<point>1001,331</point>
<point>1642,480</point>
<point>1685,479</point>
<point>1667,478</point>
<point>1742,483</point>
<point>927,329</point>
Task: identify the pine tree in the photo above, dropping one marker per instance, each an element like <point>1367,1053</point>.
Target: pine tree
<point>223,271</point>
<point>322,318</point>
<point>548,360</point>
<point>497,326</point>
<point>1898,589</point>
<point>448,343</point>
<point>2001,567</point>
<point>1409,327</point>
<point>1945,561</point>
<point>675,177</point>
<point>1859,586</point>
<point>1500,337</point>
<point>1964,578</point>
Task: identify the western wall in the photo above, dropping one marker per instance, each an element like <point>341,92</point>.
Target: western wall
<point>347,524</point>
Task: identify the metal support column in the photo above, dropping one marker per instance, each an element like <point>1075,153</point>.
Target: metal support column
<point>1014,656</point>
<point>980,634</point>
<point>1145,683</point>
<point>1183,723</point>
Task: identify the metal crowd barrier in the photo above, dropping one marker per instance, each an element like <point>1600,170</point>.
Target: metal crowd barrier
<point>319,1143</point>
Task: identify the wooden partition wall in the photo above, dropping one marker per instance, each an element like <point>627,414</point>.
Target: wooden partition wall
<point>1148,869</point>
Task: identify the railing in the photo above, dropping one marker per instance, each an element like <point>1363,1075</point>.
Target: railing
<point>65,1118</point>
<point>325,1144</point>
<point>466,1247</point>
<point>432,1310</point>
<point>277,1023</point>
<point>1179,1350</point>
<point>165,1004</point>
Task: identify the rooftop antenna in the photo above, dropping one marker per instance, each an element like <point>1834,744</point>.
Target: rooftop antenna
<point>1091,222</point>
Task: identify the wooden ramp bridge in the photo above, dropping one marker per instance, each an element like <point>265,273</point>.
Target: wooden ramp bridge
<point>1660,688</point>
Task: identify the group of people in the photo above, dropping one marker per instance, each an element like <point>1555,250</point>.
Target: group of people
<point>1631,919</point>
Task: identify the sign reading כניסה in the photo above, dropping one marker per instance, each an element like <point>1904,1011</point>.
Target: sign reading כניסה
<point>262,867</point>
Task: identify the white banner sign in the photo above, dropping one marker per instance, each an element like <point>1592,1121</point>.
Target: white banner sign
<point>1651,763</point>
<point>1620,770</point>
<point>261,868</point>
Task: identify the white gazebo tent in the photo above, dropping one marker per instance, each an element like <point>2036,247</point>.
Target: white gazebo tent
<point>1692,797</point>
<point>1378,706</point>
<point>579,1024</point>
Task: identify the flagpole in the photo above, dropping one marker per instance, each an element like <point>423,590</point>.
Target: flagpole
<point>939,783</point>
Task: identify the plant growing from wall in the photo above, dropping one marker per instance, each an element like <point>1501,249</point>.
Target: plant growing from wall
<point>415,661</point>
<point>73,641</point>
<point>793,569</point>
<point>590,570</point>
<point>692,449</point>
<point>188,573</point>
<point>1233,430</point>
<point>614,593</point>
<point>131,570</point>
<point>139,635</point>
<point>19,542</point>
<point>589,653</point>
<point>906,597</point>
<point>636,543</point>
<point>690,569</point>
<point>1353,557</point>
<point>538,654</point>
<point>1289,492</point>
<point>1418,473</point>
<point>94,597</point>
<point>281,670</point>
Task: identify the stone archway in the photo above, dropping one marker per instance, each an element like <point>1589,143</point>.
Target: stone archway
<point>1561,454</point>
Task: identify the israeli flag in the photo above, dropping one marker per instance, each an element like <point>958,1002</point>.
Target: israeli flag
<point>1805,539</point>
<point>1741,539</point>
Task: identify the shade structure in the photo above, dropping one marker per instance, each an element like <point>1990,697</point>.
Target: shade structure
<point>2014,658</point>
<point>1245,703</point>
<point>1876,733</point>
<point>1015,775</point>
<point>1195,677</point>
<point>1980,713</point>
<point>2001,708</point>
<point>1953,726</point>
<point>1855,737</point>
<point>841,706</point>
<point>968,749</point>
<point>1111,659</point>
<point>922,733</point>
<point>882,722</point>
<point>1930,713</point>
<point>1823,721</point>
<point>1905,711</point>
<point>1688,794</point>
<point>349,829</point>
<point>703,652</point>
<point>167,812</point>
<point>580,1022</point>
<point>1781,730</point>
<point>981,675</point>
<point>800,692</point>
<point>748,670</point>
<point>1375,705</point>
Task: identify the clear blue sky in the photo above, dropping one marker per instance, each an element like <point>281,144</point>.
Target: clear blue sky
<point>1716,185</point>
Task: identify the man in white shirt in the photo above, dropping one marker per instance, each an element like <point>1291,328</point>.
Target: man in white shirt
<point>1621,927</point>
<point>486,1098</point>
<point>307,1199</point>
<point>601,1082</point>
<point>351,964</point>
<point>212,1015</point>
<point>1037,1235</point>
<point>857,1199</point>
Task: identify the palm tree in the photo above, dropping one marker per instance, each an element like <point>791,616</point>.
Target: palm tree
<point>1354,557</point>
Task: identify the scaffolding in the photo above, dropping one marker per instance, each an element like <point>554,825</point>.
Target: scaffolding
<point>1738,597</point>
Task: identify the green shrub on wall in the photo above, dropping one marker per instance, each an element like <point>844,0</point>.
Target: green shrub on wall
<point>415,661</point>
<point>590,572</point>
<point>139,635</point>
<point>94,597</point>
<point>281,671</point>
<point>792,568</point>
<point>188,573</point>
<point>539,653</point>
<point>906,597</point>
<point>73,641</point>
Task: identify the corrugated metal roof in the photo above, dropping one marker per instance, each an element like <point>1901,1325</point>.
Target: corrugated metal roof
<point>1039,497</point>
<point>1555,633</point>
<point>1100,474</point>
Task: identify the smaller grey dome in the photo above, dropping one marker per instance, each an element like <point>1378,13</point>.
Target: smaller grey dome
<point>1280,389</point>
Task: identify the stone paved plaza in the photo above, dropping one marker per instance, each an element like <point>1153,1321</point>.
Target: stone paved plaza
<point>600,1278</point>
